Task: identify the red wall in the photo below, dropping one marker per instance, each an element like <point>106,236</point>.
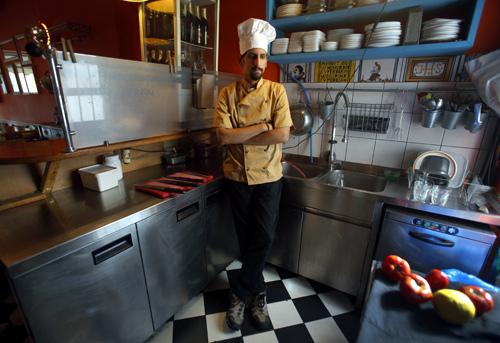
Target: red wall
<point>115,30</point>
<point>232,13</point>
<point>113,23</point>
<point>488,34</point>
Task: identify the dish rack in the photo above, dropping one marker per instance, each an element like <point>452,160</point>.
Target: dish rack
<point>369,117</point>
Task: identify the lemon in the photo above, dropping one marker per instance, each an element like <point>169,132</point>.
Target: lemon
<point>453,306</point>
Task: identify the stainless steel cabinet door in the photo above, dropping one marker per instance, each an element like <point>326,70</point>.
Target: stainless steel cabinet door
<point>286,245</point>
<point>173,247</point>
<point>222,246</point>
<point>95,294</point>
<point>333,252</point>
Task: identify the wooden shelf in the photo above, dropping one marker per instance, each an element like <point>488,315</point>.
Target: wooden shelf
<point>196,46</point>
<point>367,14</point>
<point>44,151</point>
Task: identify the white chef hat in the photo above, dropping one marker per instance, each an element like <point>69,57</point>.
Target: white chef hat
<point>255,33</point>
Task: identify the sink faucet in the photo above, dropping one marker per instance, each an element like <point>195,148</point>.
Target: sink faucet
<point>332,157</point>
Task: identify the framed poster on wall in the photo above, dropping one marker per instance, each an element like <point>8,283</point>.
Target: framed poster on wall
<point>340,71</point>
<point>429,68</point>
<point>382,70</point>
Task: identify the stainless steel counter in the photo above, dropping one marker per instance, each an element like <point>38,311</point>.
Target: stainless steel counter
<point>396,193</point>
<point>74,217</point>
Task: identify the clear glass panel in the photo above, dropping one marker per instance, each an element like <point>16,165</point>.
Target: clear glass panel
<point>13,79</point>
<point>10,56</point>
<point>30,80</point>
<point>22,79</point>
<point>117,100</point>
<point>3,86</point>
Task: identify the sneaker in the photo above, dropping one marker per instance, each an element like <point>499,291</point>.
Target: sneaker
<point>259,312</point>
<point>236,313</point>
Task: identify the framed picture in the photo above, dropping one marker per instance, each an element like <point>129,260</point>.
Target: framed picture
<point>341,71</point>
<point>378,70</point>
<point>429,68</point>
<point>300,71</point>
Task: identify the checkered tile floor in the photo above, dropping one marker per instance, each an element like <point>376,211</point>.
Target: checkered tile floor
<point>301,310</point>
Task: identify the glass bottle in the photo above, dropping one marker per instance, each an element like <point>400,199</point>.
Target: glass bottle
<point>183,22</point>
<point>204,27</point>
<point>191,22</point>
<point>198,25</point>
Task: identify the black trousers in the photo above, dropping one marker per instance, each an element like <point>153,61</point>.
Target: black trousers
<point>255,210</point>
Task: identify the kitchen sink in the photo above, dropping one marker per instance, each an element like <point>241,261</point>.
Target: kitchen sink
<point>302,170</point>
<point>350,179</point>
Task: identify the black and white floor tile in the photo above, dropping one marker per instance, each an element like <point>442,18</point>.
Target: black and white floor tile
<point>301,310</point>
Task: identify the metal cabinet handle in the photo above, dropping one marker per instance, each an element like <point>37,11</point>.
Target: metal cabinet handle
<point>187,211</point>
<point>432,239</point>
<point>111,249</point>
<point>213,198</point>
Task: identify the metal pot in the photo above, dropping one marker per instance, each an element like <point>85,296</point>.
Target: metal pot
<point>302,119</point>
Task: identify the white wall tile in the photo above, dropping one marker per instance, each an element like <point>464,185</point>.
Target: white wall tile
<point>399,128</point>
<point>460,137</point>
<point>413,150</point>
<point>367,97</point>
<point>389,154</point>
<point>469,154</point>
<point>290,146</point>
<point>360,150</point>
<point>424,135</point>
<point>304,146</point>
<point>339,148</point>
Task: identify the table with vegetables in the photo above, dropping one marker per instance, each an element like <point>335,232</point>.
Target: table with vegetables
<point>443,306</point>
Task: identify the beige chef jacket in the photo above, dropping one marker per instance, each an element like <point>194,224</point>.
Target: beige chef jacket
<point>241,106</point>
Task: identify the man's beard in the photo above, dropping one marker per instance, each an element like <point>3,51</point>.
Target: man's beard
<point>256,74</point>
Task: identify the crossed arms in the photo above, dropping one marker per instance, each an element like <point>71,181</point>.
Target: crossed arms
<point>257,134</point>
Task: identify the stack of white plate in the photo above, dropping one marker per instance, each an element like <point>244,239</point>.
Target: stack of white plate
<point>360,3</point>
<point>288,10</point>
<point>340,4</point>
<point>312,39</point>
<point>295,43</point>
<point>328,46</point>
<point>316,6</point>
<point>279,46</point>
<point>351,41</point>
<point>336,34</point>
<point>440,30</point>
<point>387,33</point>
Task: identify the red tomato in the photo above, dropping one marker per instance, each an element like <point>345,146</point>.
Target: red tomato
<point>395,268</point>
<point>482,300</point>
<point>415,289</point>
<point>437,279</point>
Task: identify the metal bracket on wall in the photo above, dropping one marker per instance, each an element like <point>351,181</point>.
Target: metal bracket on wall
<point>45,189</point>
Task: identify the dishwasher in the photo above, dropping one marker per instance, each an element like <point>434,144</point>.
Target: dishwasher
<point>429,241</point>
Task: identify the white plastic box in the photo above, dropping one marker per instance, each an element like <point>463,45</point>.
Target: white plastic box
<point>98,177</point>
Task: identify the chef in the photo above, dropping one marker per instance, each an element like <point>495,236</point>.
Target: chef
<point>253,119</point>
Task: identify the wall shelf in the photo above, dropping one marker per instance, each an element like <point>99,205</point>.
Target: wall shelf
<point>435,49</point>
<point>367,14</point>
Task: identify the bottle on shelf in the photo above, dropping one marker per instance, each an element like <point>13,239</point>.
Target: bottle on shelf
<point>204,27</point>
<point>191,22</point>
<point>197,38</point>
<point>183,22</point>
<point>149,23</point>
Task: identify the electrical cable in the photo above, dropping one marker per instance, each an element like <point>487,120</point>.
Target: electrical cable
<point>142,150</point>
<point>377,20</point>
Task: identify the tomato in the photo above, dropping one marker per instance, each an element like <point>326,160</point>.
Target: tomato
<point>415,289</point>
<point>437,279</point>
<point>395,268</point>
<point>482,300</point>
